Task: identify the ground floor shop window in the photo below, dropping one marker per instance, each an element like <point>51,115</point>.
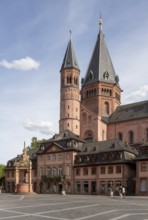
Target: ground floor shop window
<point>13,186</point>
<point>93,186</point>
<point>68,187</point>
<point>117,185</point>
<point>35,186</point>
<point>143,185</point>
<point>8,186</point>
<point>48,187</point>
<point>109,186</point>
<point>54,187</point>
<point>85,186</point>
<point>102,187</point>
<point>77,187</point>
<point>41,187</point>
<point>60,188</point>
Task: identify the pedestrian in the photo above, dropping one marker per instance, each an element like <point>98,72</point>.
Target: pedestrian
<point>120,192</point>
<point>123,191</point>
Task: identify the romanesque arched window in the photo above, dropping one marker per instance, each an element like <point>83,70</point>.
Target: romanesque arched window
<point>106,108</point>
<point>75,81</point>
<point>88,135</point>
<point>89,119</point>
<point>84,117</point>
<point>103,135</point>
<point>69,79</point>
<point>131,137</point>
<point>120,136</point>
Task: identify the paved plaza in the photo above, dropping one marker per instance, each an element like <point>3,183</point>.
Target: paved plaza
<point>72,207</point>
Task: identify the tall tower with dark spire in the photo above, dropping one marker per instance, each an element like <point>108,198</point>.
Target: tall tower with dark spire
<point>70,92</point>
<point>100,93</point>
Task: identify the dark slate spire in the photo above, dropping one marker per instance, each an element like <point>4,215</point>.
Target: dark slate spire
<point>100,67</point>
<point>70,60</point>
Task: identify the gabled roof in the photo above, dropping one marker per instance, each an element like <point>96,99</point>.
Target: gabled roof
<point>130,112</point>
<point>66,140</point>
<point>70,60</point>
<point>50,146</point>
<point>100,67</point>
<point>106,146</point>
<point>64,135</point>
<point>143,152</point>
<point>105,152</point>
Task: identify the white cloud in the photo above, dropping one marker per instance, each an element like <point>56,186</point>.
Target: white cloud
<point>24,64</point>
<point>138,95</point>
<point>43,127</point>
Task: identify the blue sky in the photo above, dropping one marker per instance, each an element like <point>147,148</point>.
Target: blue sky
<point>33,40</point>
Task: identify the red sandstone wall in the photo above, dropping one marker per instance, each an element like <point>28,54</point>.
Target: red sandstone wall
<point>138,126</point>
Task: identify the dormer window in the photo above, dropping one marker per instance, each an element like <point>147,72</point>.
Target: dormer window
<point>91,75</point>
<point>94,149</point>
<point>78,159</point>
<point>65,134</point>
<point>75,144</point>
<point>106,75</point>
<point>103,156</point>
<point>69,144</point>
<point>85,150</point>
<point>110,156</point>
<point>93,158</point>
<point>117,79</point>
<point>86,159</point>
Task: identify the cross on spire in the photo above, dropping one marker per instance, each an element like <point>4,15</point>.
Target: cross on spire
<point>100,22</point>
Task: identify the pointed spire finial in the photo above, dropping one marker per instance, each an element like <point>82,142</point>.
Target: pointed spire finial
<point>100,22</point>
<point>70,33</point>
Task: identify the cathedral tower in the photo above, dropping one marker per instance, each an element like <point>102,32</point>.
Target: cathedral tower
<point>70,92</point>
<point>100,93</point>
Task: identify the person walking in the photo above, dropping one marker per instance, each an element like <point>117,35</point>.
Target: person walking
<point>123,191</point>
<point>120,192</point>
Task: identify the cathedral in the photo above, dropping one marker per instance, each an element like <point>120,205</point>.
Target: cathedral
<point>101,144</point>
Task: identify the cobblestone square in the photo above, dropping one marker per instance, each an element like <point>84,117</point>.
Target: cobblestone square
<point>72,207</point>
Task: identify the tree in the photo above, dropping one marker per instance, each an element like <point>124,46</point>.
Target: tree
<point>2,174</point>
<point>35,143</point>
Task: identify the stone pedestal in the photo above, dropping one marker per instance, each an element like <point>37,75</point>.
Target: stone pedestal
<point>24,188</point>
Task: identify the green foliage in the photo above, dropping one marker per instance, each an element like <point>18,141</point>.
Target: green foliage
<point>35,143</point>
<point>59,178</point>
<point>2,173</point>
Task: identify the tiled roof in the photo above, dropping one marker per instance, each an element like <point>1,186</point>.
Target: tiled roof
<point>130,112</point>
<point>106,146</point>
<point>65,135</point>
<point>100,67</point>
<point>143,152</point>
<point>70,60</point>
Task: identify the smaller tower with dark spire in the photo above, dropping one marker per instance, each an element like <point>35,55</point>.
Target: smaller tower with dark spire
<point>70,92</point>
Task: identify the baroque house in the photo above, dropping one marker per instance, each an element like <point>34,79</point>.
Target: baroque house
<point>101,144</point>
